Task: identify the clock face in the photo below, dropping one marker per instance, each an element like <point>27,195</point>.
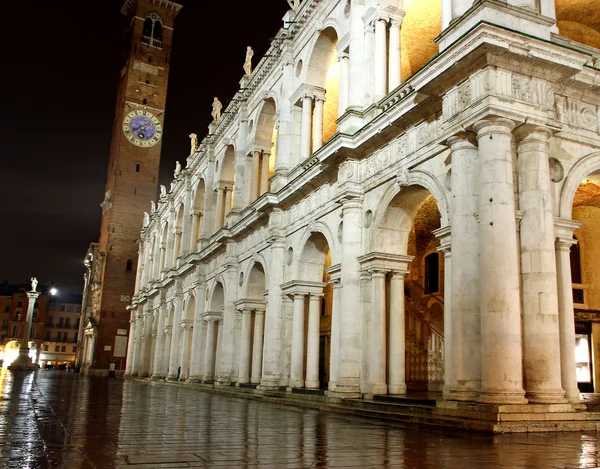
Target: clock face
<point>142,128</point>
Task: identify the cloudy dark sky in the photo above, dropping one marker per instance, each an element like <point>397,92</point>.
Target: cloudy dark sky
<point>61,64</point>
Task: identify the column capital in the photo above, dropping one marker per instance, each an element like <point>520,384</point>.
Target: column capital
<point>378,273</point>
<point>493,125</point>
<point>462,141</point>
<point>530,133</point>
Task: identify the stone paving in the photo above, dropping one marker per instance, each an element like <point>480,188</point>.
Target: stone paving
<point>56,419</point>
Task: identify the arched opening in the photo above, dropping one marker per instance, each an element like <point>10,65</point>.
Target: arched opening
<point>264,157</point>
<point>197,217</point>
<point>585,275</point>
<point>312,316</point>
<point>166,358</point>
<point>225,186</point>
<point>253,324</point>
<point>214,333</point>
<point>405,234</point>
<point>152,31</point>
<point>178,233</point>
<point>185,342</point>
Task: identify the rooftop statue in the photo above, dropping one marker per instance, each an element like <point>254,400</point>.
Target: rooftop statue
<point>193,143</point>
<point>216,109</point>
<point>34,283</point>
<point>248,62</point>
<point>163,191</point>
<point>177,169</point>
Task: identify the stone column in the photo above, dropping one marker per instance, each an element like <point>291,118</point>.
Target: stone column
<point>356,68</point>
<point>380,58</point>
<point>264,176</point>
<point>130,345</point>
<point>273,317</point>
<point>220,210</point>
<point>185,347</point>
<point>297,365</point>
<point>464,381</point>
<point>501,361</point>
<point>167,350</point>
<point>448,376</point>
<point>157,252</point>
<point>195,230</point>
<point>397,335</point>
<point>306,127</point>
<point>186,229</point>
<point>348,383</point>
<point>246,338</point>
<point>176,333</point>
<point>169,259</point>
<point>318,124</point>
<point>209,355</point>
<point>158,371</point>
<point>257,349</point>
<point>135,369</point>
<point>541,342</point>
<point>446,13</point>
<point>196,362</point>
<point>395,64</point>
<point>335,335</point>
<point>566,318</point>
<point>254,183</point>
<point>344,61</point>
<point>548,8</point>
<point>209,215</point>
<point>228,194</point>
<point>369,64</point>
<point>312,342</point>
<point>377,367</point>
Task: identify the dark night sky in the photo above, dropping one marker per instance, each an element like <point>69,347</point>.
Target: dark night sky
<point>61,63</point>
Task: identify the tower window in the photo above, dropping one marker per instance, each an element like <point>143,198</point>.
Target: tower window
<point>129,267</point>
<point>152,34</point>
<point>145,101</point>
<point>137,168</point>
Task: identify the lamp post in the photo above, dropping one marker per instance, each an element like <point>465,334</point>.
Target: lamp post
<point>23,361</point>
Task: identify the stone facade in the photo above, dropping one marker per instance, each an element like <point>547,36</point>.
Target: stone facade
<point>379,211</point>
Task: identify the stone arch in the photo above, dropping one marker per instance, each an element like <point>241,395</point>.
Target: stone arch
<point>189,305</point>
<point>217,296</point>
<point>163,246</point>
<point>319,227</point>
<point>581,169</point>
<point>313,256</point>
<point>256,282</point>
<point>321,54</point>
<point>226,170</point>
<point>170,315</point>
<point>197,213</point>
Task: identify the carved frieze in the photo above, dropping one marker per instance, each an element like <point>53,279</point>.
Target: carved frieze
<point>575,113</point>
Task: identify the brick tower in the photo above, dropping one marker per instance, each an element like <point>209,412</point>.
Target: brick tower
<point>131,183</point>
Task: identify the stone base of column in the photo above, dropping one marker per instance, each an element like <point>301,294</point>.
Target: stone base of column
<point>296,383</point>
<point>223,382</point>
<point>157,377</point>
<point>144,375</point>
<point>344,391</point>
<point>127,374</point>
<point>193,379</point>
<point>172,378</point>
<point>550,396</point>
<point>502,397</point>
<point>243,380</point>
<point>23,362</point>
<point>255,380</point>
<point>269,383</point>
<point>312,384</point>
<point>461,395</point>
<point>397,389</point>
<point>378,389</point>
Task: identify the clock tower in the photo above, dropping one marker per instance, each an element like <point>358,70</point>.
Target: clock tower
<point>131,184</point>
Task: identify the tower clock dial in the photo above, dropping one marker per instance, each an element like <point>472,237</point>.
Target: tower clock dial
<point>142,128</point>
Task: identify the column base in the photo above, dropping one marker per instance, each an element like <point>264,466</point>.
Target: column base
<point>397,389</point>
<point>346,392</point>
<point>546,397</point>
<point>127,374</point>
<point>500,397</point>
<point>194,379</point>
<point>22,362</point>
<point>172,378</point>
<point>461,395</point>
<point>378,389</point>
<point>255,380</point>
<point>144,375</point>
<point>269,383</point>
<point>243,380</point>
<point>296,383</point>
<point>156,377</point>
<point>312,384</point>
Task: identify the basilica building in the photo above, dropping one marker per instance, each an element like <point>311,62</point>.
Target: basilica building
<point>403,195</point>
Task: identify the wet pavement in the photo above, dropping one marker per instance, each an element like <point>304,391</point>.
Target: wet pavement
<point>56,419</point>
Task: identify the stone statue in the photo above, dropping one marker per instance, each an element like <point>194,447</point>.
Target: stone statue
<point>146,219</point>
<point>152,206</point>
<point>34,284</point>
<point>163,191</point>
<point>216,109</point>
<point>177,168</point>
<point>248,61</point>
<point>194,143</point>
<point>172,186</point>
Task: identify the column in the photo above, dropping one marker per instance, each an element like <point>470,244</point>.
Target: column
<point>397,335</point>
<point>335,335</point>
<point>306,127</point>
<point>446,13</point>
<point>541,342</point>
<point>228,194</point>
<point>135,370</point>
<point>170,234</point>
<point>196,362</point>
<point>297,364</point>
<point>264,173</point>
<point>548,8</point>
<point>348,383</point>
<point>395,64</point>
<point>185,346</point>
<point>356,66</point>
<point>220,210</point>
<point>176,333</point>
<point>246,337</point>
<point>380,58</point>
<point>344,61</point>
<point>158,372</point>
<point>501,360</point>
<point>318,124</point>
<point>464,381</point>
<point>273,317</point>
<point>196,220</point>
<point>257,349</point>
<point>130,346</point>
<point>369,64</point>
<point>566,318</point>
<point>209,355</point>
<point>167,351</point>
<point>209,203</point>
<point>254,178</point>
<point>312,342</point>
<point>377,381</point>
<point>186,229</point>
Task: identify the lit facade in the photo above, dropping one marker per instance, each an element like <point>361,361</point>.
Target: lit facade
<point>389,204</point>
<point>62,331</point>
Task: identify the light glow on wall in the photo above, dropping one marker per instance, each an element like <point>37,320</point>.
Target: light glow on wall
<point>330,110</point>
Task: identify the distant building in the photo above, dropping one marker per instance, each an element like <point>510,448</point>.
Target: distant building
<point>62,331</point>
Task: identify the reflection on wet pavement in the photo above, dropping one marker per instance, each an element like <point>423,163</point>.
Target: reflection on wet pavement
<point>56,419</point>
